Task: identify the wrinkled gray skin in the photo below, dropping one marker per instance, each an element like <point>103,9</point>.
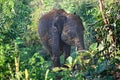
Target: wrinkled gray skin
<point>59,31</point>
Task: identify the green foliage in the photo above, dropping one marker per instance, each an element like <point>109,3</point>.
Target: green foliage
<point>14,21</point>
<point>93,47</point>
<point>20,47</point>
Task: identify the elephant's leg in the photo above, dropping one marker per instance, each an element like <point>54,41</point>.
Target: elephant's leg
<point>55,47</point>
<point>67,49</point>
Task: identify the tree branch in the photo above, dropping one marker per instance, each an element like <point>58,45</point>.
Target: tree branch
<point>106,21</point>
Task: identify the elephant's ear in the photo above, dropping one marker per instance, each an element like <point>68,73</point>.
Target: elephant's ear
<point>59,22</point>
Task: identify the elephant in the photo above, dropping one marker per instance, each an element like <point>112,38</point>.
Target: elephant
<point>58,31</point>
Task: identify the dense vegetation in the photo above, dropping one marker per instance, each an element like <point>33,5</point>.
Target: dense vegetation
<point>22,57</point>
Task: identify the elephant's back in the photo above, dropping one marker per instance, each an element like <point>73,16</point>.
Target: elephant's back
<point>45,23</point>
<point>44,26</point>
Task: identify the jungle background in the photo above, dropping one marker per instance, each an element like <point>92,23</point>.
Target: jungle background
<point>22,56</point>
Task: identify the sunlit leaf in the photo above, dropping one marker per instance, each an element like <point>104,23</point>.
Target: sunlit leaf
<point>109,36</point>
<point>11,3</point>
<point>46,75</point>
<point>69,60</point>
<point>56,69</point>
<point>93,47</point>
<point>101,47</point>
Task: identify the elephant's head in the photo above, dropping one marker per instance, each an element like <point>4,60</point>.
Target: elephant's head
<point>73,31</point>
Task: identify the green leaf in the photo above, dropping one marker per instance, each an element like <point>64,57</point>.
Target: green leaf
<point>101,47</point>
<point>69,60</point>
<point>11,3</point>
<point>46,75</point>
<point>93,47</point>
<point>118,55</point>
<point>102,67</point>
<point>73,54</point>
<point>18,41</point>
<point>56,69</point>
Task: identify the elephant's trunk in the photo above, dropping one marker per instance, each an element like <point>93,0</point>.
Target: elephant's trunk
<point>80,45</point>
